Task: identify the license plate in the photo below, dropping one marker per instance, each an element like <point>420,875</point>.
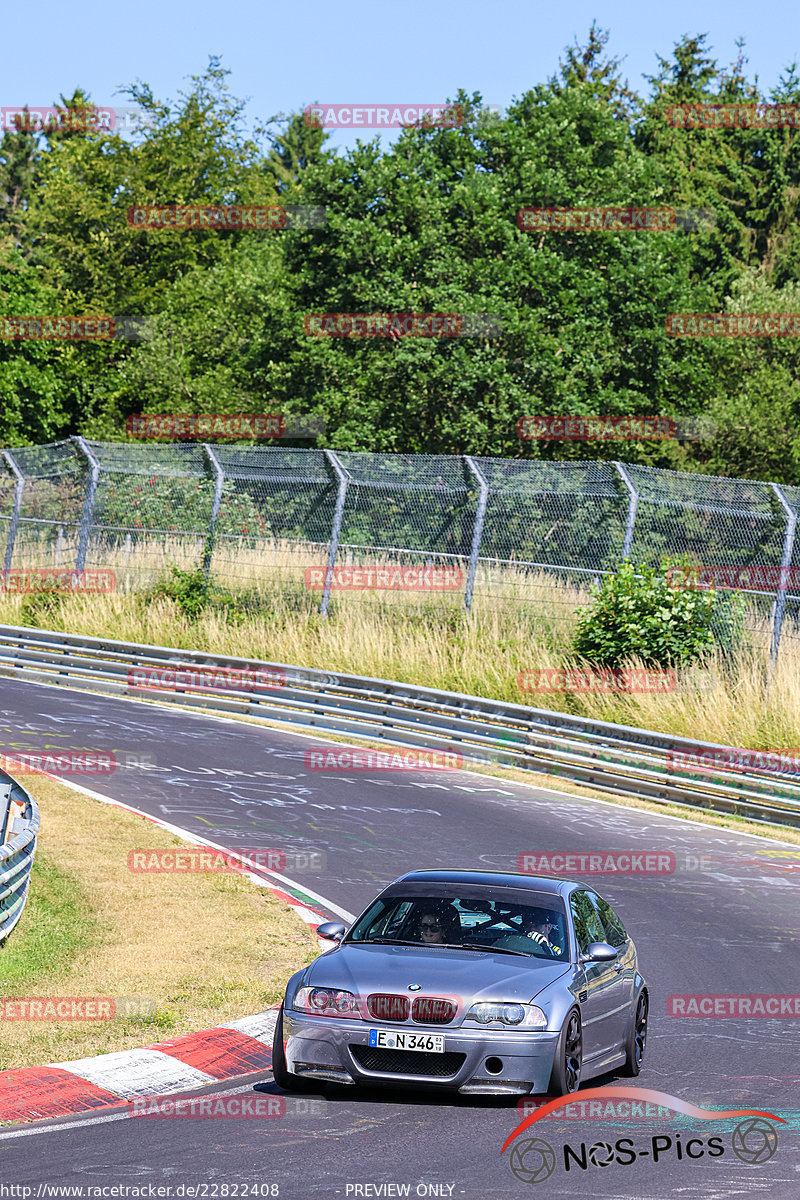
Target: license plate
<point>395,1039</point>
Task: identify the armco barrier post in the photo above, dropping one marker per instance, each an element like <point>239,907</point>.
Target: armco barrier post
<point>780,595</point>
<point>343,479</point>
<point>17,509</point>
<point>88,503</point>
<point>211,538</point>
<point>477,531</point>
<point>633,504</point>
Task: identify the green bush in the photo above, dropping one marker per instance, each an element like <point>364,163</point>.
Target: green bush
<point>188,589</point>
<point>41,610</point>
<point>176,502</point>
<point>195,595</point>
<point>646,613</point>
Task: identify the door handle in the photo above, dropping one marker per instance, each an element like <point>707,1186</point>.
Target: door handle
<point>618,966</point>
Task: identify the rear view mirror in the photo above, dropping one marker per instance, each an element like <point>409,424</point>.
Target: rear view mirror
<point>331,931</point>
<point>599,952</point>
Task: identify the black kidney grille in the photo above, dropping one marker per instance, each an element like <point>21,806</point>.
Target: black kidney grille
<point>431,1010</point>
<point>388,1008</point>
<point>407,1062</point>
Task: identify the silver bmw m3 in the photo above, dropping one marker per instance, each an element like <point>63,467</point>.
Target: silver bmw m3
<point>474,981</point>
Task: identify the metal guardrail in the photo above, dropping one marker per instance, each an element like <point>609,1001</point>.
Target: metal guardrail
<point>618,759</point>
<point>19,825</point>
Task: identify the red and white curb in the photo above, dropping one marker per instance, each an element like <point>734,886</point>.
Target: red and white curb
<point>181,1064</point>
<point>196,1059</point>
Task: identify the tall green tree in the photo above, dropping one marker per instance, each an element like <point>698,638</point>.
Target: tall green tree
<point>292,151</point>
<point>193,152</point>
<point>18,162</point>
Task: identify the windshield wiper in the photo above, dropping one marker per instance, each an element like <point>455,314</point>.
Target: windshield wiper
<point>495,949</point>
<point>384,940</point>
<point>390,941</point>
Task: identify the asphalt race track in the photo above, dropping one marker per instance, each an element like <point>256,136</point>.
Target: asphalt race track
<point>729,929</point>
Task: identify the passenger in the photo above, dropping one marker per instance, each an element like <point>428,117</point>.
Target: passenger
<point>538,925</point>
<point>439,926</point>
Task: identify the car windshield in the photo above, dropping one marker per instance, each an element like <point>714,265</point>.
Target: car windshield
<point>536,930</point>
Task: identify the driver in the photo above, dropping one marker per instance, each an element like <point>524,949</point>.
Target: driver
<point>439,925</point>
<point>538,925</point>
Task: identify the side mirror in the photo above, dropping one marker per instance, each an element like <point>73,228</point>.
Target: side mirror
<point>599,952</point>
<point>334,931</point>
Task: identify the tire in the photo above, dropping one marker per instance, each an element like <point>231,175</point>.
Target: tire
<point>566,1074</point>
<point>283,1077</point>
<point>637,1037</point>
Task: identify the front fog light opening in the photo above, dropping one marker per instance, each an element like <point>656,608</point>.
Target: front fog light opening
<point>494,1065</point>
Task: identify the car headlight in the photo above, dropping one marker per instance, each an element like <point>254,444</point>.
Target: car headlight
<point>326,1002</point>
<point>518,1016</point>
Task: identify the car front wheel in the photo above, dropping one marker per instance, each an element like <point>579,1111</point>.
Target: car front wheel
<point>566,1074</point>
<point>282,1076</point>
<point>637,1038</point>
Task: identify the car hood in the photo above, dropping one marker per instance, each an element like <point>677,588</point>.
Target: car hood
<point>468,974</point>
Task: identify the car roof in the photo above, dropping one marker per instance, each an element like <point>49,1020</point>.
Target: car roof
<point>488,879</point>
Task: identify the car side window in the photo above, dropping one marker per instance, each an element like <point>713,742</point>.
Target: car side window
<point>588,927</point>
<point>615,930</point>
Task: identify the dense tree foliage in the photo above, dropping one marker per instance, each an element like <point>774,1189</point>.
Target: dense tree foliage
<point>428,224</point>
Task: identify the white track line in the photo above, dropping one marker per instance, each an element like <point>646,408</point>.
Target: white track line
<point>321,735</point>
<point>197,840</point>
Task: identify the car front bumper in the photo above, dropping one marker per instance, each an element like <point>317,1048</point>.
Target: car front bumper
<point>339,1051</point>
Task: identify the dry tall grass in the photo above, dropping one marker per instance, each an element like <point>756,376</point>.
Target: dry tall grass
<point>521,620</point>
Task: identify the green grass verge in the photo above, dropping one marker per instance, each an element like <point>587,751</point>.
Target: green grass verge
<point>58,925</point>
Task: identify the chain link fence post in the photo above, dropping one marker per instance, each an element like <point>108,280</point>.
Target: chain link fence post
<point>211,536</point>
<point>17,509</point>
<point>633,503</point>
<point>783,583</point>
<point>343,478</point>
<point>477,532</point>
<point>88,503</point>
